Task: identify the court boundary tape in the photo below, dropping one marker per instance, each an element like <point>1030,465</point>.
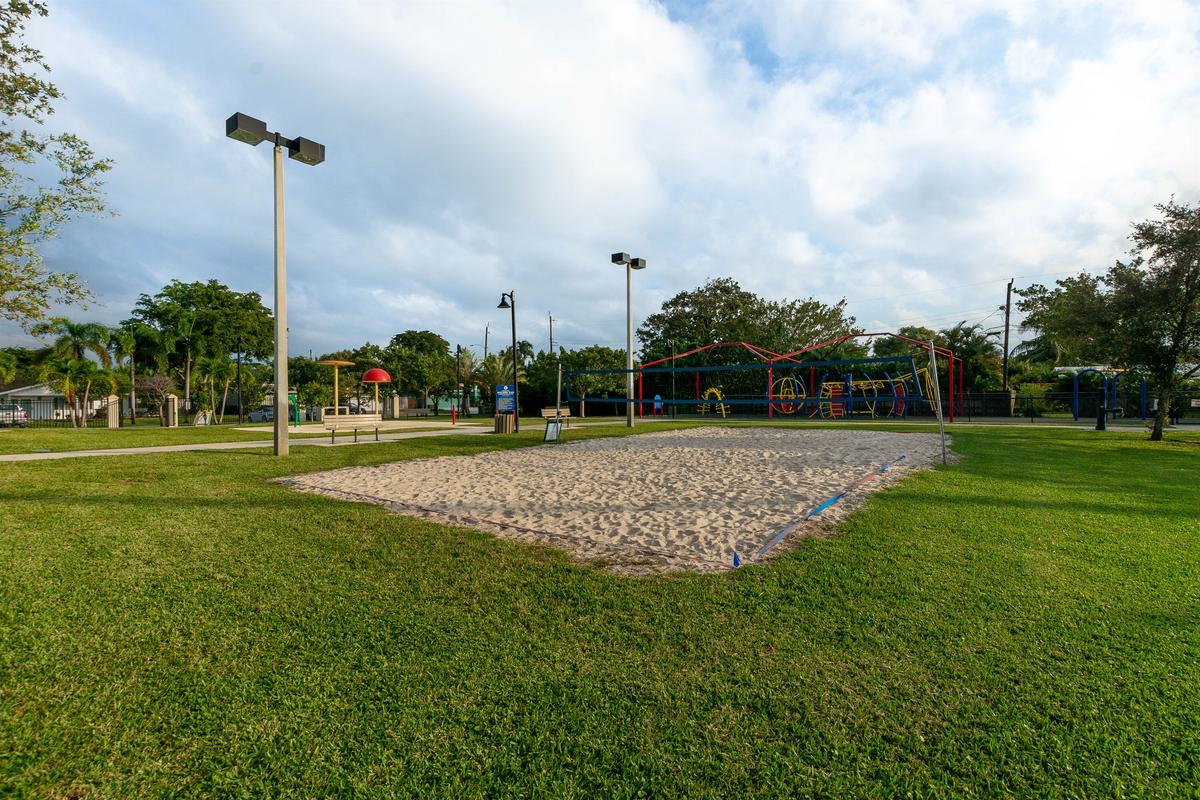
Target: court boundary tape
<point>814,511</point>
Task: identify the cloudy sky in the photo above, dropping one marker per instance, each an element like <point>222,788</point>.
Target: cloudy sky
<point>910,157</point>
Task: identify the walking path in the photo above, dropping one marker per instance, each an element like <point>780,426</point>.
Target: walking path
<point>176,448</point>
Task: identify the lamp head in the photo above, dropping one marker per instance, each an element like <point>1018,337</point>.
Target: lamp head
<point>246,129</point>
<point>637,263</point>
<point>306,151</point>
<point>504,302</point>
<point>620,258</point>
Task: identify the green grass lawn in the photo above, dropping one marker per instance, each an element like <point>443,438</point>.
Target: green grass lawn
<point>1024,623</point>
<point>57,440</point>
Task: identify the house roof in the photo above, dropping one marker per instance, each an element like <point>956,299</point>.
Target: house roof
<point>27,389</point>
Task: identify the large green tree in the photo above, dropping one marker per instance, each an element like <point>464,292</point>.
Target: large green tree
<point>203,319</point>
<point>722,311</point>
<point>420,362</point>
<point>1142,315</point>
<point>46,178</point>
<point>594,357</point>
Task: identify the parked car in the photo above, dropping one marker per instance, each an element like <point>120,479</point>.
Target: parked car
<point>262,414</point>
<point>12,415</point>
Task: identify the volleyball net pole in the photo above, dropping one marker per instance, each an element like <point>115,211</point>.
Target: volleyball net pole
<point>937,396</point>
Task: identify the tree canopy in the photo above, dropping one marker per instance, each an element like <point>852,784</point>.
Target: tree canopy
<point>1142,315</point>
<point>32,212</point>
<point>722,311</point>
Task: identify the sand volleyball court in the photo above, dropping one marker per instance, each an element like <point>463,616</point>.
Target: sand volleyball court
<point>673,500</point>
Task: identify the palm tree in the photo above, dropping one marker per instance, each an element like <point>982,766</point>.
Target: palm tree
<point>124,346</point>
<point>466,367</point>
<point>8,367</point>
<point>76,339</point>
<point>75,377</point>
<point>497,370</point>
<point>214,371</point>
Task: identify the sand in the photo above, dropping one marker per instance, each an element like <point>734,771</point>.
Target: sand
<point>672,500</point>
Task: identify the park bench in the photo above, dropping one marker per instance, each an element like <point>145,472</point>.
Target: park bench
<point>550,413</point>
<point>355,422</point>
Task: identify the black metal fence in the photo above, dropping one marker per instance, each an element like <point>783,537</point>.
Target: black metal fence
<point>52,412</point>
<point>1069,407</point>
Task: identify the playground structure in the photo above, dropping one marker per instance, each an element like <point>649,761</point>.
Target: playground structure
<point>1108,388</point>
<point>786,385</point>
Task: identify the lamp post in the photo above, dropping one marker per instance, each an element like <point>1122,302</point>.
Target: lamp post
<point>509,300</point>
<point>254,131</point>
<point>458,378</point>
<point>630,265</point>
<point>240,344</point>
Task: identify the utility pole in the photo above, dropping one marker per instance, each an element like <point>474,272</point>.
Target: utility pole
<point>1007,317</point>
<point>548,314</point>
<point>486,329</point>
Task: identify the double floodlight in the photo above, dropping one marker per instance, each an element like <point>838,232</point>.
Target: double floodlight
<point>624,258</point>
<point>253,131</point>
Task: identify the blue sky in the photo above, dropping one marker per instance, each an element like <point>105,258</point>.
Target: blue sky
<point>910,157</point>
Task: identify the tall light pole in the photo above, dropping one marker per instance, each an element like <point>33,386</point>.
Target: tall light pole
<point>254,131</point>
<point>630,265</point>
<point>509,300</point>
<point>240,344</point>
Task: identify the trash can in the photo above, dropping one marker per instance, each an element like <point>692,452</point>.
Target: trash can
<point>506,423</point>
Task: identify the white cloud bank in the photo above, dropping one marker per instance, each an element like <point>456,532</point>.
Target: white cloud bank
<point>885,152</point>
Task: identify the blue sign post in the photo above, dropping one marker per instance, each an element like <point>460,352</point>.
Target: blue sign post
<point>506,399</point>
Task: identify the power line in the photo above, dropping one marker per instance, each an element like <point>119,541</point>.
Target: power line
<point>900,295</point>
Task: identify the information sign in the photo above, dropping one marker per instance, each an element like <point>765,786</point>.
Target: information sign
<point>506,399</point>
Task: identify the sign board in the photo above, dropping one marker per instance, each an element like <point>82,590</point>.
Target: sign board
<point>553,429</point>
<point>1196,402</point>
<point>506,399</point>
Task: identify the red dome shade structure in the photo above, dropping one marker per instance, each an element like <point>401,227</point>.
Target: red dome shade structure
<point>376,375</point>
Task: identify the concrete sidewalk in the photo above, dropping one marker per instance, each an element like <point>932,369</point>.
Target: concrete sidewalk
<point>177,448</point>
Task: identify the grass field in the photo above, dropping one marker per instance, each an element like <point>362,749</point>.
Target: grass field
<point>1023,623</point>
<point>57,440</point>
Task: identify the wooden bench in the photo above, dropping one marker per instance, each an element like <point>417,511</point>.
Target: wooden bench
<point>355,422</point>
<point>549,414</point>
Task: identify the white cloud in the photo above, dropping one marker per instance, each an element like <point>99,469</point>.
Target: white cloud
<point>1029,60</point>
<point>882,151</point>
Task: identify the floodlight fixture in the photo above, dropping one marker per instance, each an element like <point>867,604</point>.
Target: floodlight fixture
<point>620,258</point>
<point>306,151</point>
<point>637,263</point>
<point>246,129</point>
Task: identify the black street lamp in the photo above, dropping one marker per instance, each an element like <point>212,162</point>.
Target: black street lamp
<point>630,265</point>
<point>254,131</point>
<point>509,300</point>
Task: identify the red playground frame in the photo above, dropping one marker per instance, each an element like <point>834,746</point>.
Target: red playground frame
<point>763,354</point>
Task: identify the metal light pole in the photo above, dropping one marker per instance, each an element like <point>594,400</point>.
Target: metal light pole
<point>459,379</point>
<point>630,265</point>
<point>509,300</point>
<point>253,131</point>
<point>240,345</point>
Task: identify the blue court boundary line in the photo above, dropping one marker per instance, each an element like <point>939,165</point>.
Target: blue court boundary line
<point>783,533</point>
